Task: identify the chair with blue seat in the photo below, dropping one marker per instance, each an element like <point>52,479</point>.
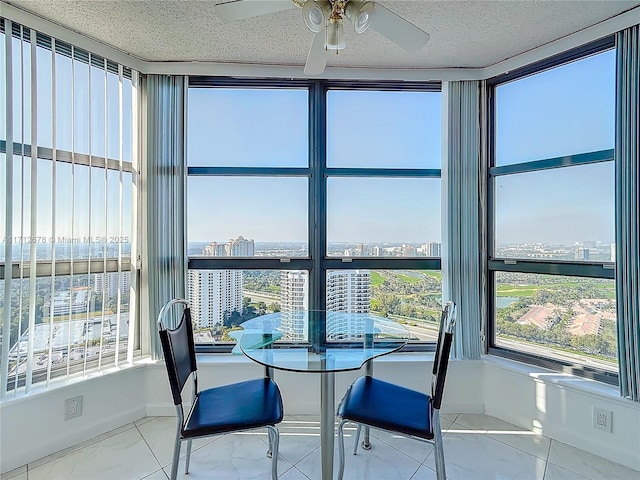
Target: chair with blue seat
<point>370,402</point>
<point>239,406</point>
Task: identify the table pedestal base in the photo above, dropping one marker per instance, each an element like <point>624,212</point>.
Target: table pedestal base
<point>327,423</point>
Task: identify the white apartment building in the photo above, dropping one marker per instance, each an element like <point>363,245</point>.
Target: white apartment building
<point>582,253</point>
<point>111,282</point>
<point>72,301</point>
<point>240,247</point>
<point>348,291</point>
<point>432,249</point>
<point>213,293</point>
<point>294,299</point>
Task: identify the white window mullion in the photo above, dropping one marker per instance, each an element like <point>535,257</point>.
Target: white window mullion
<point>8,246</point>
<point>33,233</point>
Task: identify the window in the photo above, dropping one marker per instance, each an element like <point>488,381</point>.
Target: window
<point>551,182</point>
<point>68,286</point>
<point>312,195</point>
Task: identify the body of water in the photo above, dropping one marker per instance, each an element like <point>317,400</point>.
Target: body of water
<point>503,302</point>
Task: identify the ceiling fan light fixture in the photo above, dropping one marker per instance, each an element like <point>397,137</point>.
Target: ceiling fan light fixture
<point>361,14</point>
<point>315,15</point>
<point>335,35</point>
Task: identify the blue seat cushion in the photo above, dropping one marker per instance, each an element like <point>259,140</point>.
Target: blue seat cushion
<point>239,406</point>
<point>387,406</point>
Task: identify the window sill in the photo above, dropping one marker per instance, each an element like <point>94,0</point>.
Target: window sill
<point>562,380</point>
<point>41,389</point>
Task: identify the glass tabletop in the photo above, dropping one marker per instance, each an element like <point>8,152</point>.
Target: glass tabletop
<point>352,340</point>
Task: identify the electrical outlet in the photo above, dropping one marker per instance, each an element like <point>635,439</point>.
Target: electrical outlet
<point>602,419</point>
<point>73,407</point>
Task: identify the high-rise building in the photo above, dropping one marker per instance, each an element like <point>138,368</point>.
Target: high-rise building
<point>239,248</point>
<point>613,252</point>
<point>293,290</point>
<point>294,300</point>
<point>348,291</point>
<point>408,251</point>
<point>214,249</point>
<point>110,283</point>
<point>216,293</point>
<point>432,249</point>
<point>582,253</point>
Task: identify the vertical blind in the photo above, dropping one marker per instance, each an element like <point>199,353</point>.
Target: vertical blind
<point>68,168</point>
<point>627,155</point>
<point>163,199</point>
<point>463,253</point>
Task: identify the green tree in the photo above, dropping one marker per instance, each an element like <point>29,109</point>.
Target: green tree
<point>274,307</point>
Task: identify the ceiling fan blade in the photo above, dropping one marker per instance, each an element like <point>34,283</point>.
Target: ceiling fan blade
<point>399,30</point>
<point>317,58</point>
<point>240,9</point>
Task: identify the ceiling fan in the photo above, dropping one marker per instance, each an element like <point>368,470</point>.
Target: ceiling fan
<point>325,18</point>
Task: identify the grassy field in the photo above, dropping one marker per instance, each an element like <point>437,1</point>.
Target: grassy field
<point>432,274</point>
<point>509,290</point>
<point>377,279</point>
<point>516,291</point>
<point>407,278</point>
<point>77,316</point>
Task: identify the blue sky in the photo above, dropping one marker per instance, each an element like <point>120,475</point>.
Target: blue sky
<point>563,111</point>
<point>269,128</point>
<point>96,100</point>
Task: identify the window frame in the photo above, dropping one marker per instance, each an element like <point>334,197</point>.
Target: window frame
<point>318,262</point>
<point>48,268</point>
<point>494,264</point>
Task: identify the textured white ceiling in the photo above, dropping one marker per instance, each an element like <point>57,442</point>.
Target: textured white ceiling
<point>463,33</point>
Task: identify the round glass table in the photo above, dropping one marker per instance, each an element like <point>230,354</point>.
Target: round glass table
<point>352,340</point>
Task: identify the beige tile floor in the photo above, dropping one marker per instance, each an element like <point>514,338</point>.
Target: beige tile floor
<point>477,447</point>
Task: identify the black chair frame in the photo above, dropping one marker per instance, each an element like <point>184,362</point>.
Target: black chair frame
<point>200,422</point>
<point>358,404</point>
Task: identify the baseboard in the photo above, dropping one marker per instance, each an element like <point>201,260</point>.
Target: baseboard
<point>160,410</point>
<point>70,438</point>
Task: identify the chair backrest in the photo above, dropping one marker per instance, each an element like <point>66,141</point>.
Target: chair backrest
<point>179,350</point>
<point>443,348</point>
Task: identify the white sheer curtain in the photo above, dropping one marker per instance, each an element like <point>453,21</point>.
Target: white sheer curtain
<point>627,159</point>
<point>163,199</point>
<point>462,255</point>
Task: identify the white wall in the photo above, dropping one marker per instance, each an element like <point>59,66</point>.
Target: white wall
<point>558,405</point>
<point>34,426</point>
